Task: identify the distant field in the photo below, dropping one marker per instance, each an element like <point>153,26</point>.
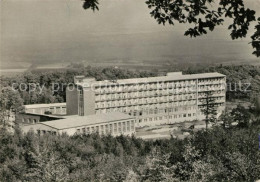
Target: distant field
<point>165,63</point>
<point>11,72</point>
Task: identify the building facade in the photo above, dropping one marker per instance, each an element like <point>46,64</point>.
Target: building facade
<point>29,118</point>
<point>52,108</point>
<point>152,101</point>
<point>105,124</point>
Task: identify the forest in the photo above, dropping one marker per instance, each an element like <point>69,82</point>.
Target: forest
<point>219,154</point>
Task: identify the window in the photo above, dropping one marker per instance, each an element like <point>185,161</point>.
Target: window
<point>88,130</point>
<point>81,103</point>
<point>107,131</point>
<point>128,125</point>
<point>52,110</point>
<point>132,125</point>
<point>115,127</point>
<point>124,127</point>
<point>110,128</point>
<point>119,127</point>
<point>102,129</point>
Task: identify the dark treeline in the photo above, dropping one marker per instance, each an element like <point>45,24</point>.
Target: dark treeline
<point>220,154</point>
<point>243,81</point>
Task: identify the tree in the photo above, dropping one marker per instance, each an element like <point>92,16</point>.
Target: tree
<point>227,119</point>
<point>195,166</point>
<point>209,108</point>
<point>256,39</point>
<point>204,15</point>
<point>10,104</point>
<point>48,166</point>
<point>157,167</point>
<point>241,115</point>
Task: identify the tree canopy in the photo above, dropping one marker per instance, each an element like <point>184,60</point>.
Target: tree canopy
<point>230,154</point>
<point>203,16</point>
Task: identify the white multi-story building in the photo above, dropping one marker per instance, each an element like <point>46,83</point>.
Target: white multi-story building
<point>152,101</point>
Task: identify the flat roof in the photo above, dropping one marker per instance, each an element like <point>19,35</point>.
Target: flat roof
<point>45,115</point>
<point>170,77</point>
<point>77,121</point>
<point>33,106</point>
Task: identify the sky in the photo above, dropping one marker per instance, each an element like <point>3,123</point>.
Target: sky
<point>55,32</point>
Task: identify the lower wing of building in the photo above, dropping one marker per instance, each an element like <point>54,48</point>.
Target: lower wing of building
<point>105,124</point>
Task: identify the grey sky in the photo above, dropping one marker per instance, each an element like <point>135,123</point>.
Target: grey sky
<point>43,32</point>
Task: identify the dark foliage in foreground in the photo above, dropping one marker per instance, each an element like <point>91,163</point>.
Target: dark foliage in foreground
<point>230,154</point>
